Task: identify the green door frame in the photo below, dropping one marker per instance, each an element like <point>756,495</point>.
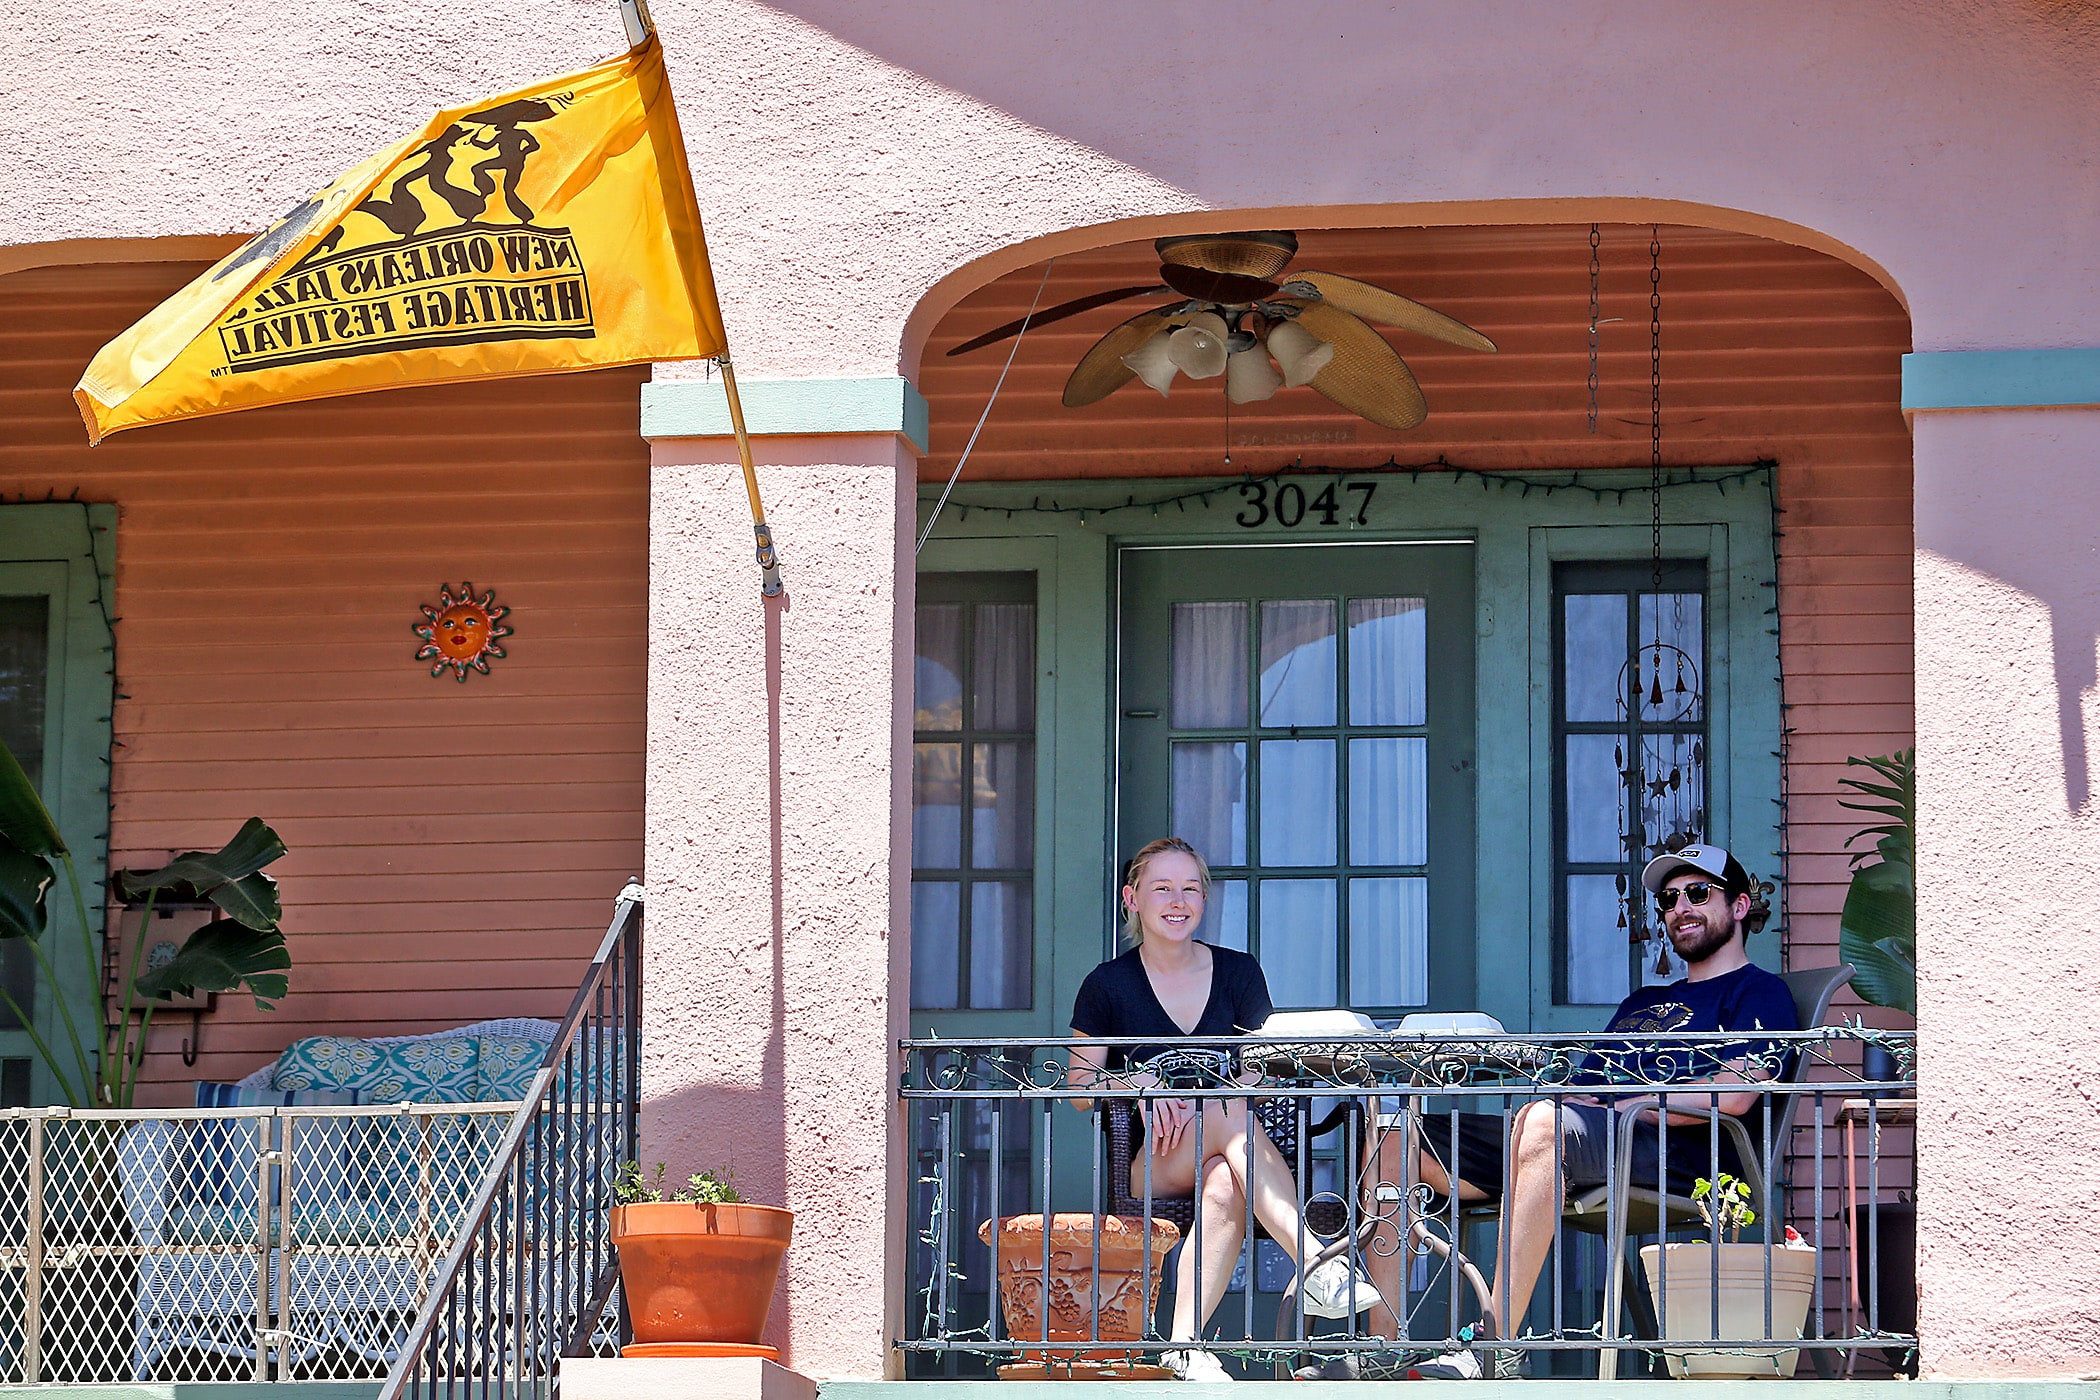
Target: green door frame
<point>66,551</point>
<point>1518,532</point>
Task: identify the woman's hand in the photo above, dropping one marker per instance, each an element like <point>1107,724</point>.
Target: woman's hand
<point>1167,1121</point>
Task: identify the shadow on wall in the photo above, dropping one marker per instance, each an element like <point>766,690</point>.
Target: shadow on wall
<point>2021,512</point>
<point>743,1127</point>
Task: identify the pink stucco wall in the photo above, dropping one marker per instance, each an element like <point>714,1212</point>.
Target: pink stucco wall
<point>773,807</point>
<point>866,164</point>
<point>2008,606</point>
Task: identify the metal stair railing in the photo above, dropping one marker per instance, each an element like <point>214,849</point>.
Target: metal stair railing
<point>530,1276</point>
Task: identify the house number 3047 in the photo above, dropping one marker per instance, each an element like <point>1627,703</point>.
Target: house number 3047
<point>1289,505</point>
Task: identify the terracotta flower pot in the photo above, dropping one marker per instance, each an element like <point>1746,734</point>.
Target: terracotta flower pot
<point>699,1273</point>
<point>1689,1314</point>
<point>1123,1299</point>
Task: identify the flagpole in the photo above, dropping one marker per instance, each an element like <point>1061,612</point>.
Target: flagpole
<point>634,15</point>
<point>768,559</point>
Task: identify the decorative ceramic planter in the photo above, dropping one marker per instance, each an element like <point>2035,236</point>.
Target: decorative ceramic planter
<point>1687,1306</point>
<point>1123,1300</point>
<point>699,1273</point>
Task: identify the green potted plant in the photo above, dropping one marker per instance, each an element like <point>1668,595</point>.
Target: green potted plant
<point>697,1264</point>
<point>1878,935</point>
<point>1688,1277</point>
<point>96,1064</point>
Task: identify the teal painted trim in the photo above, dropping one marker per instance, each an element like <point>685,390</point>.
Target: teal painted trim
<point>2001,379</point>
<point>787,408</point>
<point>1473,1390</point>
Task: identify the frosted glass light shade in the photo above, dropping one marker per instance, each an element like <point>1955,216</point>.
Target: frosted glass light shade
<point>1249,377</point>
<point>1153,363</point>
<point>1198,348</point>
<point>1299,352</point>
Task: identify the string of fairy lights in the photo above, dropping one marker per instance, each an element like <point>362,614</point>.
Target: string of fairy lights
<point>1523,483</point>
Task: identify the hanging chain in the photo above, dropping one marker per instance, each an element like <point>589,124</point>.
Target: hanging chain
<point>1595,238</point>
<point>1655,401</point>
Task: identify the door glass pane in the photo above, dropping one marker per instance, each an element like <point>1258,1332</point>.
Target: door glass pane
<point>1002,799</point>
<point>1002,935</point>
<point>1004,684</point>
<point>1388,661</point>
<point>1388,802</point>
<point>25,648</point>
<point>1597,956</point>
<point>1225,915</point>
<point>936,805</point>
<point>1298,942</point>
<point>937,668</point>
<point>1297,662</point>
<point>1595,642</point>
<point>1596,797</point>
<point>1297,802</point>
<point>1209,682</point>
<point>936,944</point>
<point>1389,941</point>
<point>1671,688</point>
<point>1207,804</point>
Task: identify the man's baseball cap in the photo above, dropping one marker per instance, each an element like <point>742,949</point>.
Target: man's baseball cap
<point>1707,860</point>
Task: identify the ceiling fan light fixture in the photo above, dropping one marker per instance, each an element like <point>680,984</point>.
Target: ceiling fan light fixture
<point>1153,362</point>
<point>1250,378</point>
<point>1300,353</point>
<point>1198,348</point>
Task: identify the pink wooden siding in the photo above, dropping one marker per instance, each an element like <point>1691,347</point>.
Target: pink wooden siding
<point>1769,351</point>
<point>454,848</point>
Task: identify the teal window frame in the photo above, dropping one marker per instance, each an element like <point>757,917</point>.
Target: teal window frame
<point>67,550</point>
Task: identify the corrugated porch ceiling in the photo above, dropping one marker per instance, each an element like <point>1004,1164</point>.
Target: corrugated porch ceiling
<point>1769,350</point>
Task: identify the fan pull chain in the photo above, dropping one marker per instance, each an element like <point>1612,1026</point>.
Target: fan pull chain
<point>1000,383</point>
<point>1596,238</point>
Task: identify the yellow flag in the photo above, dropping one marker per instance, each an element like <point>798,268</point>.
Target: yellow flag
<point>548,229</point>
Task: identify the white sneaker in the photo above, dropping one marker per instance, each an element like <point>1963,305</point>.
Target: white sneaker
<point>1195,1366</point>
<point>1473,1363</point>
<point>1332,1290</point>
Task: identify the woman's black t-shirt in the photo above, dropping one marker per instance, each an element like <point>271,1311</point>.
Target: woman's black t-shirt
<point>1117,999</point>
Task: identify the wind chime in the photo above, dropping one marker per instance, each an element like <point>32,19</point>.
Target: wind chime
<point>1659,686</point>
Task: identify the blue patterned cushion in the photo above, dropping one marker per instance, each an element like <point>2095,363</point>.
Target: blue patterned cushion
<point>508,1064</point>
<point>210,1095</point>
<point>445,1070</point>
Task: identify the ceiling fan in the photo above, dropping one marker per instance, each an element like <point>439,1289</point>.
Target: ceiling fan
<point>1231,315</point>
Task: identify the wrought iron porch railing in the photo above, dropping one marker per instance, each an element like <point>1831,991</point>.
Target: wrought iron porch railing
<point>530,1276</point>
<point>1820,1147</point>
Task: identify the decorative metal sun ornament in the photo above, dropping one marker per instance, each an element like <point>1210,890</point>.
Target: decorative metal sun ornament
<point>462,632</point>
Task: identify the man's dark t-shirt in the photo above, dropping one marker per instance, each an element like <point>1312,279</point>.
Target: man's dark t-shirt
<point>1117,999</point>
<point>1747,999</point>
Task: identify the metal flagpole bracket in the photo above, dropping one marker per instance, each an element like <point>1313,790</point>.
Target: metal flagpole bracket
<point>768,560</point>
<point>635,15</point>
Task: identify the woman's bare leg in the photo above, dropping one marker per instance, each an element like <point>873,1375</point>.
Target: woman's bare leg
<point>1222,1211</point>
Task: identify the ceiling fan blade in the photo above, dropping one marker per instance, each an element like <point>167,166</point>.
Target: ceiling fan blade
<point>1230,289</point>
<point>1366,375</point>
<point>1391,309</point>
<point>1101,371</point>
<point>1054,313</point>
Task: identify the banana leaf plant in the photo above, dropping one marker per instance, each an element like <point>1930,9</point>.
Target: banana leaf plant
<point>1878,930</point>
<point>241,948</point>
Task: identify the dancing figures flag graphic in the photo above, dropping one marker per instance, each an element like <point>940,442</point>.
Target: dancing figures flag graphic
<point>548,229</point>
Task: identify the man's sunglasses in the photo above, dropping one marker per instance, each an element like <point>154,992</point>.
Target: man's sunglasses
<point>1694,893</point>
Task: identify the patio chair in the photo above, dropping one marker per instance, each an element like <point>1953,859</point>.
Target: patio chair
<point>1637,1209</point>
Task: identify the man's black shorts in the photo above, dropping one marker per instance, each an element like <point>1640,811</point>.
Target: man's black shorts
<point>1589,1140</point>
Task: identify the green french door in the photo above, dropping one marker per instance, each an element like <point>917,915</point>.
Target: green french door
<point>1305,717</point>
